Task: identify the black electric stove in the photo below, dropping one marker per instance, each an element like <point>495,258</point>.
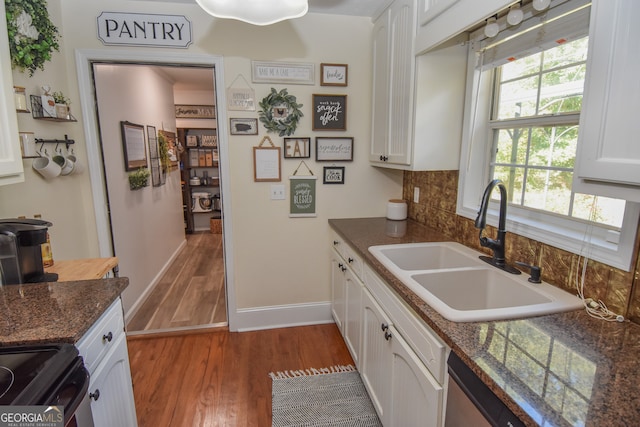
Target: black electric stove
<point>43,375</point>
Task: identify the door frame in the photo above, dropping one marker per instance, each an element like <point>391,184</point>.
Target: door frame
<point>84,64</point>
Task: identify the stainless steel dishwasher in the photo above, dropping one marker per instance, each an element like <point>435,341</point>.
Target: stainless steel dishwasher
<point>471,403</point>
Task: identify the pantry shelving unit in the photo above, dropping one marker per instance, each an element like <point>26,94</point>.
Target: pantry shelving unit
<point>199,157</point>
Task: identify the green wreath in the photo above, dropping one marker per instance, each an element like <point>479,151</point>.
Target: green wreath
<point>280,112</point>
<point>32,35</point>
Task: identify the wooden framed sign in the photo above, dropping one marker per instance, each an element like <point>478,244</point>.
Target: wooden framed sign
<point>329,112</point>
<point>334,149</point>
<point>266,162</point>
<point>135,154</point>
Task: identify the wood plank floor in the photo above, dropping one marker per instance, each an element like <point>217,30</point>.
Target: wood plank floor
<point>190,293</point>
<point>221,378</point>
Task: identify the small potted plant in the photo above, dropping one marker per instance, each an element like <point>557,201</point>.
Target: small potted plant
<point>62,105</point>
<point>139,178</point>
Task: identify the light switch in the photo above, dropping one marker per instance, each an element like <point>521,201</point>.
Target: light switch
<point>277,191</point>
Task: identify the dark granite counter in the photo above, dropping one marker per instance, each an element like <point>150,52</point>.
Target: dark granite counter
<point>59,312</point>
<point>564,369</point>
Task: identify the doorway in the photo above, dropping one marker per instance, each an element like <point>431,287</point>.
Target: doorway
<point>198,240</point>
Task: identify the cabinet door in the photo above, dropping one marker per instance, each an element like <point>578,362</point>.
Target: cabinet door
<point>416,397</point>
<point>11,170</point>
<point>375,359</point>
<point>352,321</point>
<point>402,30</point>
<point>380,95</point>
<point>608,150</point>
<point>338,297</point>
<point>112,402</point>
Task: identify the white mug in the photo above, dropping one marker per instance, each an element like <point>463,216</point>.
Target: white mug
<point>76,166</point>
<point>67,165</point>
<point>46,167</point>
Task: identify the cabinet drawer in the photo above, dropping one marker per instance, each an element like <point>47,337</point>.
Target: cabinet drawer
<point>353,260</point>
<point>424,342</point>
<point>101,336</point>
<point>336,242</point>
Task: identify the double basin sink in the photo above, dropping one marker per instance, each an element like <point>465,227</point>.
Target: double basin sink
<point>462,288</point>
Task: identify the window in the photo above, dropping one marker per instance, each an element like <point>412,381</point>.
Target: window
<point>525,88</point>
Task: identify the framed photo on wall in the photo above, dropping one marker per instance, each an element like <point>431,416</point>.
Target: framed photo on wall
<point>329,112</point>
<point>333,74</point>
<point>135,153</point>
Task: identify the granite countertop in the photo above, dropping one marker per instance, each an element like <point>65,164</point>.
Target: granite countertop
<point>564,369</point>
<point>56,312</point>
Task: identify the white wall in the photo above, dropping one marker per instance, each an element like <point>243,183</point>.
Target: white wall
<point>277,260</point>
<point>148,225</point>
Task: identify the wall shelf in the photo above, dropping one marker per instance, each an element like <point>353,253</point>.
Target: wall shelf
<point>38,113</point>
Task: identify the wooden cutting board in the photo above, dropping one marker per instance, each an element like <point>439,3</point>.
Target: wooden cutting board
<point>82,269</point>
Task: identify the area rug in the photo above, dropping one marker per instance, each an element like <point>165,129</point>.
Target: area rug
<point>332,396</point>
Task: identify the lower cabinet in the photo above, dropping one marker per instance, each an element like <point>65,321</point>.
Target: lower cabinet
<point>401,388</point>
<point>104,350</point>
<point>346,300</point>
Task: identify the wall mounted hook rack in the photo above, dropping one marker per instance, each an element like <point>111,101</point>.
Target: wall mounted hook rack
<point>66,141</point>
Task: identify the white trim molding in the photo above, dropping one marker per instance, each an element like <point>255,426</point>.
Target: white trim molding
<point>283,316</point>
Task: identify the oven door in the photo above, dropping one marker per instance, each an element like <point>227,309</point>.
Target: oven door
<point>71,391</point>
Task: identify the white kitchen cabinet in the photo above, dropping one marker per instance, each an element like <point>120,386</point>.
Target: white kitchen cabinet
<point>346,295</point>
<point>393,76</point>
<point>443,20</point>
<point>104,350</point>
<point>608,155</point>
<point>11,169</point>
<point>401,388</point>
<point>418,102</point>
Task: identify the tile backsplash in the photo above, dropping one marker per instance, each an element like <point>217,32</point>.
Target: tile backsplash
<point>437,208</point>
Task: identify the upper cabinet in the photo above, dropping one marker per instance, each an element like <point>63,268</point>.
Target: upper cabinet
<point>393,76</point>
<point>11,170</point>
<point>441,20</point>
<point>418,102</point>
<point>608,157</point>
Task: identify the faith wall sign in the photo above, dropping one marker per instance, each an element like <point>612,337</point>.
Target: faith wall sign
<point>138,29</point>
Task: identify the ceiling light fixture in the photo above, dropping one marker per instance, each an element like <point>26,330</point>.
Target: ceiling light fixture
<point>256,12</point>
<point>515,15</point>
<point>540,4</point>
<point>492,28</point>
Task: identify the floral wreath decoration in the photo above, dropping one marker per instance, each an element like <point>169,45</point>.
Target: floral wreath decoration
<point>32,35</point>
<point>280,112</point>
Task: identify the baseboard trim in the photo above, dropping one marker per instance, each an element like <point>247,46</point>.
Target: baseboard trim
<point>142,298</point>
<point>282,316</point>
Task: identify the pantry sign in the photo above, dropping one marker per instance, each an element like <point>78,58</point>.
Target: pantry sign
<point>138,29</point>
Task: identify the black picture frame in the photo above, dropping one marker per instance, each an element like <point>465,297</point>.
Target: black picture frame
<point>133,146</point>
<point>297,148</point>
<point>333,175</point>
<point>329,112</point>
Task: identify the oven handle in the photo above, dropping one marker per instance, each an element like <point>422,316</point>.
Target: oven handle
<point>77,376</point>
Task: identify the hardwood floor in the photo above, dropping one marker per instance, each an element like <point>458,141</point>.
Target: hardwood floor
<point>221,378</point>
<point>190,293</point>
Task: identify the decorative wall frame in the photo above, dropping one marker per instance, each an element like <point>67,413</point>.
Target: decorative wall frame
<point>154,157</point>
<point>334,149</point>
<point>329,112</point>
<point>280,112</point>
<point>195,111</point>
<point>297,148</point>
<point>333,175</point>
<point>334,74</point>
<point>243,126</point>
<point>266,162</point>
<point>282,72</point>
<point>134,152</point>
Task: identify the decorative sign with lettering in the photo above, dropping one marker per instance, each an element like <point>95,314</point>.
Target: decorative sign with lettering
<point>303,196</point>
<point>138,29</point>
<point>241,99</point>
<point>329,112</point>
<point>282,72</point>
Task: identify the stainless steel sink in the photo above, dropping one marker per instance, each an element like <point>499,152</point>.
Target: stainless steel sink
<point>457,284</point>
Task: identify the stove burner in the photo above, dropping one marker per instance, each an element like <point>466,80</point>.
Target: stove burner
<point>6,380</point>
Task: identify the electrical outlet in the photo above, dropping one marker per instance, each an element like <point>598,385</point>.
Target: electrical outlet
<point>416,194</point>
<point>277,192</point>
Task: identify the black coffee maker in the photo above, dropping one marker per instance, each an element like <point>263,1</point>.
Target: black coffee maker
<point>21,253</point>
